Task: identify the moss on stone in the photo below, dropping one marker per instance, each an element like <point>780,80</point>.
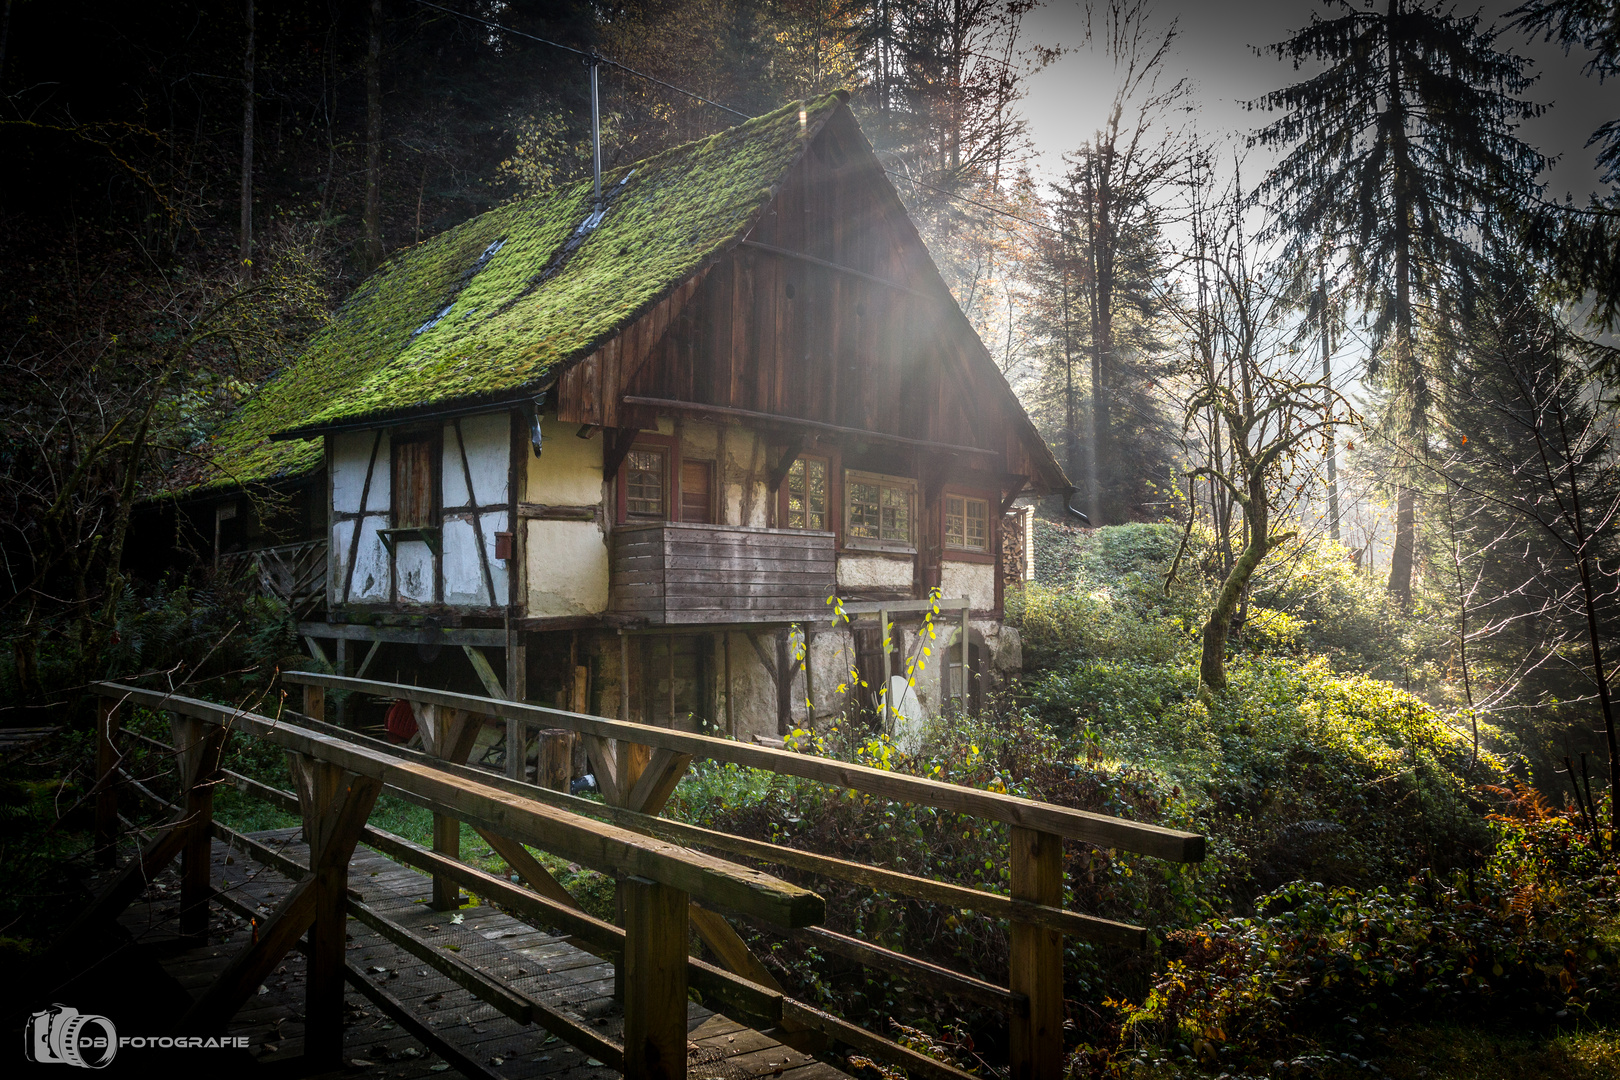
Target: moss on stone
<point>531,309</point>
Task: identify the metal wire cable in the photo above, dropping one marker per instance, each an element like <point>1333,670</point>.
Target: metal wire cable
<point>591,57</point>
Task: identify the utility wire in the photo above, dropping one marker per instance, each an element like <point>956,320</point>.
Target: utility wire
<point>597,58</point>
<point>591,57</point>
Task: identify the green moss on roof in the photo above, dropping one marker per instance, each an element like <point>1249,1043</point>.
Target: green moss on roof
<point>532,308</point>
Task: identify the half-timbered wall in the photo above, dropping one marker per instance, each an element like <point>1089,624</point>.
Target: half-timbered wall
<point>450,562</point>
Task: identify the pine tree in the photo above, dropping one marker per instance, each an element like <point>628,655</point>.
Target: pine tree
<point>1402,150</point>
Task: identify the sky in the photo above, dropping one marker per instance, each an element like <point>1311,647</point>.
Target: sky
<point>1068,100</point>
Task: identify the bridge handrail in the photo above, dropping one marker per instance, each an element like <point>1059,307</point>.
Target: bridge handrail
<point>598,844</point>
<point>1100,829</point>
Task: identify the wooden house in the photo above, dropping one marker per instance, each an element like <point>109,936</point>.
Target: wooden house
<point>621,450</point>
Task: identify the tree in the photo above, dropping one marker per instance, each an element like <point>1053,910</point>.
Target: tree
<point>1262,409</point>
<point>1401,152</point>
<point>1108,210</point>
<point>1583,243</point>
<point>1530,444</point>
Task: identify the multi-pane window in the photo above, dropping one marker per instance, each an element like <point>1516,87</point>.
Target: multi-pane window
<point>807,494</point>
<point>413,483</point>
<point>645,475</point>
<point>879,508</point>
<point>967,523</point>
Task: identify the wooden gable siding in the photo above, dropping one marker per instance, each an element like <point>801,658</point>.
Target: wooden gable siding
<point>876,345</point>
<point>589,392</point>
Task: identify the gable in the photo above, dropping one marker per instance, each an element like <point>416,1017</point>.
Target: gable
<point>829,310</point>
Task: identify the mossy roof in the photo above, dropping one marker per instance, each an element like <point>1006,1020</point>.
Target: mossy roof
<point>512,320</point>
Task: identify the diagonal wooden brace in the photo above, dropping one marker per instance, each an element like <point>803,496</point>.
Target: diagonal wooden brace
<point>335,804</point>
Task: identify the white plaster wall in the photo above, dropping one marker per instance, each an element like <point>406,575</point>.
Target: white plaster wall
<point>752,689</point>
<point>487,440</point>
<point>413,567</point>
<point>977,580</point>
<point>463,577</point>
<point>568,568</point>
<point>370,583</point>
<point>351,454</point>
<point>569,471</point>
<point>875,572</point>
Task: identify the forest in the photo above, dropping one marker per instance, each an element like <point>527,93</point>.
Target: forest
<point>1338,585</point>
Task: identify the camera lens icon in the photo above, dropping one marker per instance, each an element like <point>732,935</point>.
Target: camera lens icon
<point>62,1035</point>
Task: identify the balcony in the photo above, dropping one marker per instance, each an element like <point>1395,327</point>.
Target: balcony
<point>674,574</point>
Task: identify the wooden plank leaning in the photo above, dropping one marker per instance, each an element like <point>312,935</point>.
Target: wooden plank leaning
<point>1101,829</point>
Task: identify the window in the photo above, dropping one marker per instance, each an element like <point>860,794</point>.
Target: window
<point>967,523</point>
<point>878,510</point>
<point>697,492</point>
<point>413,483</point>
<point>645,470</point>
<point>807,494</point>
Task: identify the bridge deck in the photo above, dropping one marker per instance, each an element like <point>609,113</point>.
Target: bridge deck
<point>513,953</point>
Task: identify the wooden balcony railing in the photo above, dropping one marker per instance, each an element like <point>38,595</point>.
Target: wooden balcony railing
<point>670,573</point>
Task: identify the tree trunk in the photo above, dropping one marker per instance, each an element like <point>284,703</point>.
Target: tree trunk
<point>247,147</point>
<point>373,253</point>
<point>1212,664</point>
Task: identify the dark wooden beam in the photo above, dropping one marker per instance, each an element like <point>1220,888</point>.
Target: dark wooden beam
<point>790,453</point>
<point>616,445</point>
<point>838,268</point>
<point>673,405</point>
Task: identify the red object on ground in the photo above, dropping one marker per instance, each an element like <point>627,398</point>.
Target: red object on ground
<point>401,721</point>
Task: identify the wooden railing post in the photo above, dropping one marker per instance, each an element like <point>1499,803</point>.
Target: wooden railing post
<point>107,787</point>
<point>442,731</point>
<point>654,979</point>
<point>315,702</point>
<point>1036,957</point>
<point>199,746</point>
<point>342,803</point>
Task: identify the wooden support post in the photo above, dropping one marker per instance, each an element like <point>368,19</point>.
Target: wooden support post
<point>106,782</point>
<point>669,649</point>
<point>1035,959</point>
<point>445,735</point>
<point>340,665</point>
<point>784,686</point>
<point>624,675</point>
<point>883,692</point>
<point>731,715</point>
<point>554,760</point>
<point>315,702</point>
<point>967,671</point>
<point>199,746</point>
<point>344,801</point>
<point>654,980</point>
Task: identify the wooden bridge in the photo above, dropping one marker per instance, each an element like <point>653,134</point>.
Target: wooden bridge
<point>618,993</point>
